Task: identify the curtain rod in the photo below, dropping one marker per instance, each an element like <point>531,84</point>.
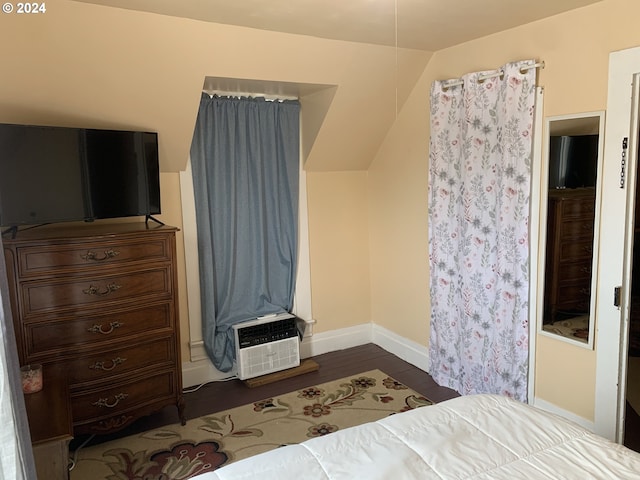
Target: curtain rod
<point>454,82</point>
<point>267,97</point>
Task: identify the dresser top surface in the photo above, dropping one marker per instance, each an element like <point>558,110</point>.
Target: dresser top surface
<point>79,231</point>
<point>566,193</point>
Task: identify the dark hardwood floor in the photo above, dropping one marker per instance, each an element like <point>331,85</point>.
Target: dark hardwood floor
<point>216,396</point>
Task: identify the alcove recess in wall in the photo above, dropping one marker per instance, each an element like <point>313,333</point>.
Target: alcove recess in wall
<point>570,213</point>
<point>315,100</point>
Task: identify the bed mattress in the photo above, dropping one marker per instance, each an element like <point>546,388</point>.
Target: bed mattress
<point>471,437</point>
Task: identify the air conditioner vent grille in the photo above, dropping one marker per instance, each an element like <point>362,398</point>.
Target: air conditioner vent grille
<point>268,358</point>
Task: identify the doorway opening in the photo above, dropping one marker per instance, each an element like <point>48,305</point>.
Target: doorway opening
<point>632,394</point>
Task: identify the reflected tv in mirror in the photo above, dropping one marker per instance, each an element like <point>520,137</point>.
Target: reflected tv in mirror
<point>573,161</point>
<point>61,174</point>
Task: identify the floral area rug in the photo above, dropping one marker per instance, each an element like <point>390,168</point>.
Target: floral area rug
<point>177,452</point>
<point>576,328</point>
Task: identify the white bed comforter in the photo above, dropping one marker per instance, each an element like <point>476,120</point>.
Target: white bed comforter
<point>473,437</point>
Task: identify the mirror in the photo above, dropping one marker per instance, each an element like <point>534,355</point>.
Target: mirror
<point>573,153</point>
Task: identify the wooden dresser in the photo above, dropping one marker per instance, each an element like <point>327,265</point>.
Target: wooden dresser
<point>100,300</point>
<point>569,253</point>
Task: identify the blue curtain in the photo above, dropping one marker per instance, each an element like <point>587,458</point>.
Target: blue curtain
<point>245,164</point>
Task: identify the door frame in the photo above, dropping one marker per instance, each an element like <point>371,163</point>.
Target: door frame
<point>535,294</point>
<point>616,241</point>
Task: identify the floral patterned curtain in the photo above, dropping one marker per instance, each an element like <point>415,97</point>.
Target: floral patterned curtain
<point>479,189</point>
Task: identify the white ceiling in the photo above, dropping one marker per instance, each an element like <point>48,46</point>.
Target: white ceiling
<point>421,24</point>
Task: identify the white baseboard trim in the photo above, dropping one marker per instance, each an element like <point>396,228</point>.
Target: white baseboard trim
<point>335,340</point>
<point>201,370</point>
<point>407,350</point>
<point>552,408</point>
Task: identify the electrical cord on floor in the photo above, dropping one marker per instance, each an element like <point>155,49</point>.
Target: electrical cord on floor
<point>74,460</point>
<point>198,387</point>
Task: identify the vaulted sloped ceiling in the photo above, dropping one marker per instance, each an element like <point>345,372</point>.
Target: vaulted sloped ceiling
<point>343,124</point>
<point>144,66</point>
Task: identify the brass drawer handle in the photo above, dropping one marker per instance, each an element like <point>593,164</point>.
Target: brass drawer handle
<point>93,290</point>
<point>93,256</point>
<point>112,326</point>
<point>113,423</point>
<point>101,365</point>
<point>104,402</point>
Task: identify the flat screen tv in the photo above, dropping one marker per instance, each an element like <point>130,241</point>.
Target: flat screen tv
<point>61,174</point>
<point>573,161</point>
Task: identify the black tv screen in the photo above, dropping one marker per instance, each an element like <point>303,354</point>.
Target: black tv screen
<point>60,174</point>
<point>573,161</point>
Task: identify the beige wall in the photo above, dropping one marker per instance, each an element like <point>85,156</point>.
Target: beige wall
<point>99,66</point>
<point>339,251</point>
<point>575,47</point>
<point>172,215</point>
<point>398,223</point>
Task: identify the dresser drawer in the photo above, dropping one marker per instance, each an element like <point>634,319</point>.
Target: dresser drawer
<point>77,293</point>
<point>40,260</point>
<point>578,228</point>
<point>118,398</point>
<point>579,207</point>
<point>574,298</point>
<point>570,251</point>
<point>64,336</point>
<point>151,356</point>
<point>576,271</point>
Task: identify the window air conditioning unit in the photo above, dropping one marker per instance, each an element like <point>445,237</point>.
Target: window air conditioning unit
<point>267,344</point>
